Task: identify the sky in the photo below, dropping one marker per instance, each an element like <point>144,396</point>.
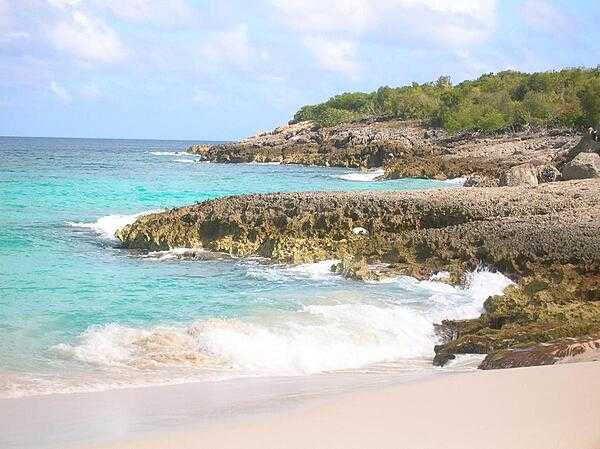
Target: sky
<point>225,69</point>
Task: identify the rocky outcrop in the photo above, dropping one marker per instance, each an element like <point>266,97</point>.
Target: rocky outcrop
<point>582,166</point>
<point>564,350</point>
<point>366,144</point>
<point>403,148</point>
<point>547,239</point>
<point>359,270</point>
<point>521,175</point>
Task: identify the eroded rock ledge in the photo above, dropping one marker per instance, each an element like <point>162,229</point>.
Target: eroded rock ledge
<point>405,149</point>
<point>546,238</point>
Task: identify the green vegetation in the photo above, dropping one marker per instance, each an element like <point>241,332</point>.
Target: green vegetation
<point>569,97</point>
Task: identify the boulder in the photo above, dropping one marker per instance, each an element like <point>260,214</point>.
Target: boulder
<point>548,173</point>
<point>565,350</point>
<point>355,269</point>
<point>584,165</point>
<point>521,175</point>
<point>477,180</point>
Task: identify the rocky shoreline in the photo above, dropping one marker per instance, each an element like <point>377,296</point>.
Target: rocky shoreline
<point>411,149</point>
<point>546,238</point>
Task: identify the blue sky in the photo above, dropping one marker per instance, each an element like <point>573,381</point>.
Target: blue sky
<point>194,69</point>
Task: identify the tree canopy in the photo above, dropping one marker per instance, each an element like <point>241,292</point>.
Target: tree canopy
<point>494,101</point>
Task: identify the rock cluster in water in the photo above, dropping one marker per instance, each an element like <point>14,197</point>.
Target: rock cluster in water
<point>547,238</point>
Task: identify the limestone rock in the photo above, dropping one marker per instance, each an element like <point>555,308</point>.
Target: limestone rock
<point>584,165</point>
<point>547,239</point>
<point>565,350</point>
<point>480,181</point>
<point>360,231</point>
<point>547,173</point>
<point>521,175</point>
<point>355,269</point>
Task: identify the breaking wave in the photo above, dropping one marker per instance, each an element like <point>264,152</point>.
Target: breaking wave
<point>320,335</point>
<point>107,226</point>
<point>458,182</point>
<point>186,161</point>
<point>169,153</point>
<point>363,176</point>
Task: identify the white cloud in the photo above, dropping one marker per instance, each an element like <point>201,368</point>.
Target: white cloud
<point>87,38</point>
<point>12,36</point>
<point>542,14</point>
<point>61,93</point>
<point>158,12</point>
<point>230,48</point>
<point>445,22</point>
<point>329,15</point>
<point>63,4</point>
<point>203,96</point>
<point>90,91</point>
<point>334,55</point>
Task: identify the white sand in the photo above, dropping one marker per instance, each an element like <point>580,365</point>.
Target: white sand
<point>542,407</point>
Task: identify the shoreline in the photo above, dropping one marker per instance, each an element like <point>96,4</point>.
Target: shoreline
<point>536,407</point>
<point>65,420</point>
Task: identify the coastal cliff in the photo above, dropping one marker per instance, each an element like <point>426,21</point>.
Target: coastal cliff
<point>547,239</point>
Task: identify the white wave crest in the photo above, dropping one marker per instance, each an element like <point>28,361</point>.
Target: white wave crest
<point>458,182</point>
<point>185,161</point>
<point>169,153</point>
<point>107,226</point>
<point>315,271</point>
<point>363,176</point>
<point>321,335</point>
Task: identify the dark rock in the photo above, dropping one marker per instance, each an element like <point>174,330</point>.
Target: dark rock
<point>565,350</point>
<point>583,166</point>
<point>548,173</point>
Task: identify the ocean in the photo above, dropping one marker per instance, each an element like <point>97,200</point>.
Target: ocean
<point>79,314</point>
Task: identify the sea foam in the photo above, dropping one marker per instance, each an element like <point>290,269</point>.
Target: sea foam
<point>169,153</point>
<point>107,226</point>
<point>327,334</point>
<point>363,176</point>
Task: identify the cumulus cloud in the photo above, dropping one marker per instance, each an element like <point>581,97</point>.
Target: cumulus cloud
<point>61,93</point>
<point>232,48</point>
<point>87,38</point>
<point>157,12</point>
<point>456,22</point>
<point>334,55</point>
<point>541,14</point>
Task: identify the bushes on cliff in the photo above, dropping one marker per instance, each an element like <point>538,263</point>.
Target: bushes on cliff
<point>569,97</point>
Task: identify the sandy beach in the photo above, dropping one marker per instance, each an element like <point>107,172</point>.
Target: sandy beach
<point>541,407</point>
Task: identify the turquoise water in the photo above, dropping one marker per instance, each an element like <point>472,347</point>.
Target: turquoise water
<point>79,313</point>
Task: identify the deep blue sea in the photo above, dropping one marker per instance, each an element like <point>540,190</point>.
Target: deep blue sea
<point>78,313</point>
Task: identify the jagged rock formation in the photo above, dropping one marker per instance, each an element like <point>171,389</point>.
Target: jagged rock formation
<point>402,148</point>
<point>546,238</point>
<point>366,144</point>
